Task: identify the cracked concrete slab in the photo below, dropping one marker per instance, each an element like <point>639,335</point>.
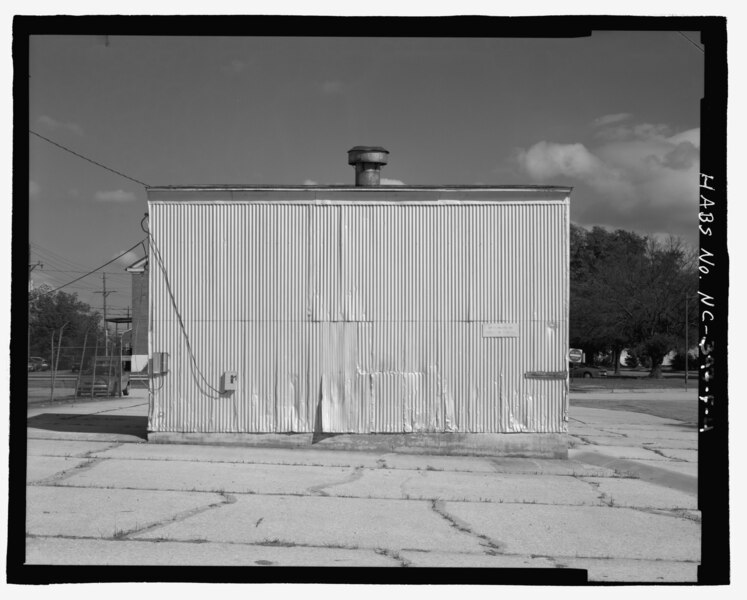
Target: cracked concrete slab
<point>627,452</point>
<point>104,513</point>
<point>449,560</point>
<point>66,551</point>
<point>229,477</point>
<point>474,487</point>
<point>73,448</point>
<point>238,454</point>
<point>282,456</point>
<point>599,417</point>
<point>643,442</point>
<point>574,531</point>
<point>540,466</point>
<point>45,467</point>
<point>586,430</point>
<point>673,427</point>
<point>637,436</point>
<point>684,455</point>
<point>322,521</point>
<point>636,493</point>
<point>657,472</point>
<point>683,468</point>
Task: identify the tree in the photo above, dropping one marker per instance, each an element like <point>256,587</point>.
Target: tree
<point>629,291</point>
<point>48,312</point>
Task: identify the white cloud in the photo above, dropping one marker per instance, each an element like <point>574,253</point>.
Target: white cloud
<point>115,196</point>
<point>642,176</point>
<point>310,182</point>
<point>609,119</point>
<point>51,123</point>
<point>34,189</point>
<point>385,181</point>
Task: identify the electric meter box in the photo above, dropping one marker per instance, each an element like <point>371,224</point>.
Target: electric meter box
<point>228,381</point>
<point>160,363</point>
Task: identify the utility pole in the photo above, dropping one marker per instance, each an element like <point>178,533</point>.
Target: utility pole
<point>28,314</point>
<point>687,345</point>
<point>105,293</point>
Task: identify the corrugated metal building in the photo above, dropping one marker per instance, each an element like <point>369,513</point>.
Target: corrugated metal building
<point>360,309</point>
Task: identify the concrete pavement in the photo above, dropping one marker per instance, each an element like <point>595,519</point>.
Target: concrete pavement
<point>624,506</point>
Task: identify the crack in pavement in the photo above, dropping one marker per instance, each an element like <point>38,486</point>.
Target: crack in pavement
<point>601,496</point>
<point>676,513</point>
<point>438,506</point>
<point>656,475</point>
<point>225,500</point>
<point>394,555</point>
<point>305,495</point>
<point>90,453</point>
<point>380,551</point>
<point>54,479</point>
<point>354,476</point>
<point>660,453</point>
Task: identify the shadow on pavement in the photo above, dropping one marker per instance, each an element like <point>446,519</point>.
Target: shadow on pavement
<point>119,424</point>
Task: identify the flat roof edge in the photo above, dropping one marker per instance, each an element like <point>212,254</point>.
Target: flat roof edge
<point>372,189</point>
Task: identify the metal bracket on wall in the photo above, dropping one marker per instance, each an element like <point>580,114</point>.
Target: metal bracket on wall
<point>546,375</point>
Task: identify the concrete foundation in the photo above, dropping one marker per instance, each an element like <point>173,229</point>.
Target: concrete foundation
<point>526,445</point>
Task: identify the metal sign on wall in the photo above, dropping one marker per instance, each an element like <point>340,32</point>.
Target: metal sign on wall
<point>500,330</point>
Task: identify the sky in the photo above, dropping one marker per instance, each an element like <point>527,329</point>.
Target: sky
<point>615,115</point>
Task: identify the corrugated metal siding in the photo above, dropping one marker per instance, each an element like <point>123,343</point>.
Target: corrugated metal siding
<point>359,317</point>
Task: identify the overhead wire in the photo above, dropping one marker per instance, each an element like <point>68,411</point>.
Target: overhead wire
<point>96,269</point>
<point>98,164</point>
<point>56,256</point>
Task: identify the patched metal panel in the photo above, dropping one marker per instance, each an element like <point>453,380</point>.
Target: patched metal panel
<point>393,314</point>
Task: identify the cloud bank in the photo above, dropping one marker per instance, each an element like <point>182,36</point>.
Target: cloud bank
<point>641,175</point>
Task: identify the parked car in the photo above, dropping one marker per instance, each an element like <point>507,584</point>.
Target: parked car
<point>587,371</point>
<point>104,375</point>
<point>38,363</point>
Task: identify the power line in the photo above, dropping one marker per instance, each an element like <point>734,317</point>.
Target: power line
<point>50,256</point>
<point>689,40</point>
<point>86,158</point>
<point>96,269</point>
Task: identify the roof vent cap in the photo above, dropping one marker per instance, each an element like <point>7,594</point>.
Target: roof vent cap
<point>368,161</point>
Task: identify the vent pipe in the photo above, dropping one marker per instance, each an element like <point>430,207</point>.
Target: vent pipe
<point>368,161</point>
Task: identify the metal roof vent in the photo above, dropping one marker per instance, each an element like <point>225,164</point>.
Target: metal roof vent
<point>368,161</point>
